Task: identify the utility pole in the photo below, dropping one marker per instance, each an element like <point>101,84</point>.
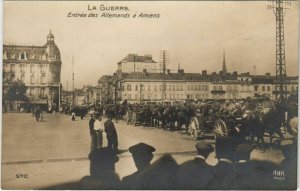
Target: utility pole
<point>164,60</point>
<point>73,97</point>
<point>279,8</point>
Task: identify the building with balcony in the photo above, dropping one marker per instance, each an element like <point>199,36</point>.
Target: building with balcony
<point>39,67</point>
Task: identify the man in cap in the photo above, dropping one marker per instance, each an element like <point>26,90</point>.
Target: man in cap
<point>111,134</point>
<point>102,171</point>
<point>142,156</point>
<point>196,174</point>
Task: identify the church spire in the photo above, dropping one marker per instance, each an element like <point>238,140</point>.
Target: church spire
<point>224,70</point>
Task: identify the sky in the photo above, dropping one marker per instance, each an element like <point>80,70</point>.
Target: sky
<point>194,33</point>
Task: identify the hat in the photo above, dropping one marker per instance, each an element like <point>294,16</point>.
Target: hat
<point>243,151</point>
<point>103,154</point>
<point>225,147</point>
<point>141,148</point>
<point>204,147</point>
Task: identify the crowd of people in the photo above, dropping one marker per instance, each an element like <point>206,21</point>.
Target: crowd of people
<point>235,169</point>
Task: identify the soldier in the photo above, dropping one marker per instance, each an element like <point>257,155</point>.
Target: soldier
<point>111,134</point>
<point>93,133</point>
<point>196,174</point>
<point>142,156</point>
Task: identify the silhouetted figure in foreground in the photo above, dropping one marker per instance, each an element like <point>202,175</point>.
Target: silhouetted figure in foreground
<point>161,175</point>
<point>142,156</point>
<point>196,174</point>
<point>102,171</point>
<point>289,166</point>
<point>224,170</point>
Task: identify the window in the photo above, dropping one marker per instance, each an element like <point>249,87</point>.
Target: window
<point>42,92</point>
<point>23,77</point>
<point>255,88</point>
<point>161,87</point>
<point>268,88</point>
<point>22,68</point>
<point>169,87</point>
<point>43,69</point>
<point>149,88</point>
<point>188,87</point>
<point>23,56</point>
<point>43,78</point>
<point>199,87</point>
<point>181,87</point>
<point>31,68</point>
<point>32,79</point>
<point>177,87</point>
<point>30,91</point>
<point>220,88</point>
<point>263,88</point>
<point>173,87</point>
<point>136,87</point>
<point>128,87</point>
<point>155,87</point>
<point>12,68</point>
<point>192,87</point>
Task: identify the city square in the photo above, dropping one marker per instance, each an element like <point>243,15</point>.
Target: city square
<point>141,95</point>
<point>30,150</point>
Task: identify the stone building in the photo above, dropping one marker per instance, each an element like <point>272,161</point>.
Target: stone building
<point>39,67</point>
<point>135,63</point>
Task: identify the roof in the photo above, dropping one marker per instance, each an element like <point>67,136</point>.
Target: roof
<point>167,76</point>
<point>137,58</point>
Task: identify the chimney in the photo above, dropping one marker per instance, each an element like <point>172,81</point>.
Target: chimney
<point>204,72</point>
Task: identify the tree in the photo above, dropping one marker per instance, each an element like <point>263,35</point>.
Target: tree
<point>16,92</point>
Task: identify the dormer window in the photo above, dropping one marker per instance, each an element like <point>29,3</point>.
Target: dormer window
<point>23,56</point>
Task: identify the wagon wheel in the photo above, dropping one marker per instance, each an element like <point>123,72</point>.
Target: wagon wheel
<point>193,129</point>
<point>220,128</point>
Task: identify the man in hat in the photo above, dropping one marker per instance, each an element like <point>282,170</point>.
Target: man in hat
<point>196,174</point>
<point>142,156</point>
<point>225,151</point>
<point>102,171</point>
<point>111,134</point>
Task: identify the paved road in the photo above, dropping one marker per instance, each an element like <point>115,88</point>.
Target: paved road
<point>55,151</point>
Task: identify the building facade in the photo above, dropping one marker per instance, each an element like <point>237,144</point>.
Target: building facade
<point>148,87</point>
<point>39,67</point>
<point>135,63</point>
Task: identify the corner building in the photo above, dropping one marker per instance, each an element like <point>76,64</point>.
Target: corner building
<point>39,67</point>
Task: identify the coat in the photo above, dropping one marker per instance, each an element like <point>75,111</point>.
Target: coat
<point>195,175</point>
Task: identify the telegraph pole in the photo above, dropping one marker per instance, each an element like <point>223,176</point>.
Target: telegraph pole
<point>279,8</point>
<point>164,60</point>
<point>73,97</point>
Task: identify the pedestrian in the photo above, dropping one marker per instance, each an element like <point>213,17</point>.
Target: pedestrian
<point>99,128</point>
<point>73,116</point>
<point>81,113</point>
<point>37,114</point>
<point>33,111</point>
<point>111,134</point>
